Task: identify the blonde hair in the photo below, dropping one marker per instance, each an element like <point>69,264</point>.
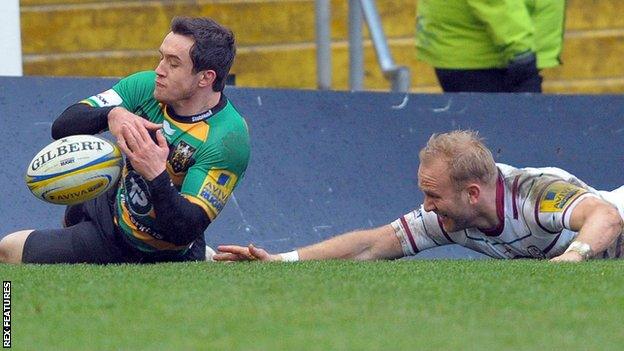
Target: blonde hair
<point>465,153</point>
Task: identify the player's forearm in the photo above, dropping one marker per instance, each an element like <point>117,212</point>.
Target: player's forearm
<point>346,246</point>
<point>373,244</point>
<point>601,229</point>
<point>80,119</point>
<point>179,221</point>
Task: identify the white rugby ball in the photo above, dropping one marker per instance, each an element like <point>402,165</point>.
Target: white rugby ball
<point>74,169</point>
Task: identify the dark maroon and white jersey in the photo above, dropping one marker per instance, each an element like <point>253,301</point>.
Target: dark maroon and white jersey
<point>534,206</point>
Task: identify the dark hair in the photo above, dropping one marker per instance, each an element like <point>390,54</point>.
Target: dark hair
<point>214,47</point>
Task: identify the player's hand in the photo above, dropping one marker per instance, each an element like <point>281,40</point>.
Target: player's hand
<point>148,158</point>
<point>570,256</point>
<point>119,117</point>
<point>233,253</point>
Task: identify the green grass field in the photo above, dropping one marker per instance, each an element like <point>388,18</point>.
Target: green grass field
<point>409,305</point>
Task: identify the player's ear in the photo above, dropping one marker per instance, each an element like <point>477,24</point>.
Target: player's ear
<point>207,78</point>
<point>474,193</point>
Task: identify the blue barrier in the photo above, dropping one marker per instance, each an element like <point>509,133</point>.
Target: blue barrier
<point>327,162</point>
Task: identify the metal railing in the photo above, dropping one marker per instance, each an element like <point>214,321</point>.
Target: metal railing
<point>399,76</point>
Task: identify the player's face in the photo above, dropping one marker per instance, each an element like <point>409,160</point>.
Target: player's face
<point>175,80</point>
<point>442,196</point>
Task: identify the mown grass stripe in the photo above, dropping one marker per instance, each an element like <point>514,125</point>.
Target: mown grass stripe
<point>398,305</point>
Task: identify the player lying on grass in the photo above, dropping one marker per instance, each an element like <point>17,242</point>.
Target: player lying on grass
<point>495,209</point>
<point>186,148</point>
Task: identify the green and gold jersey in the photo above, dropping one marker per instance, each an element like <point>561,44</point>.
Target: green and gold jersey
<point>208,156</point>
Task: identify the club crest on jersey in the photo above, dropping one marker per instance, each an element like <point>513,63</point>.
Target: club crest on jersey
<point>217,188</point>
<point>181,158</point>
<point>558,196</point>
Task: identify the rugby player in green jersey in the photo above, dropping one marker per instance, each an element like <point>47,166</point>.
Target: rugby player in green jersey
<point>186,149</point>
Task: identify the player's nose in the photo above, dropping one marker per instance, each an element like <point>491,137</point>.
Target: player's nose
<point>428,204</point>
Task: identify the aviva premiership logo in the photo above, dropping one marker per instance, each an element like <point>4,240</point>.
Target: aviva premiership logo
<point>217,188</point>
<point>558,196</point>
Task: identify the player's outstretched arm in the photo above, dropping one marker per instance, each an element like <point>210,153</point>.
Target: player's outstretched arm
<point>598,224</point>
<point>371,244</point>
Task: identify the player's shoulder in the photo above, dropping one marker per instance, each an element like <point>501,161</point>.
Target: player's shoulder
<point>229,113</point>
<point>528,185</point>
<point>229,137</point>
<point>513,174</point>
<point>145,80</point>
<point>143,75</point>
<point>542,192</point>
<point>229,120</point>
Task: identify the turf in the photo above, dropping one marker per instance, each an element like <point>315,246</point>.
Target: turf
<point>415,304</point>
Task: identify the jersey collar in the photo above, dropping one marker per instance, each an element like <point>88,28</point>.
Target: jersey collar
<point>200,116</point>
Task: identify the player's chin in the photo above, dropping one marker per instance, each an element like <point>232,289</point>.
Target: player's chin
<point>448,224</point>
<point>161,95</point>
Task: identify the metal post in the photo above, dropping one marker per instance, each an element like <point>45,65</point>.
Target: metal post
<point>356,52</point>
<point>398,75</point>
<point>377,35</point>
<point>323,45</point>
<point>401,79</point>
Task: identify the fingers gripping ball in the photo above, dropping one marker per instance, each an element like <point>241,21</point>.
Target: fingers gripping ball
<point>74,169</point>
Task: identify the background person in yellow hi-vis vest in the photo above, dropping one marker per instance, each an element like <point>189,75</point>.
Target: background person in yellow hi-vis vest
<point>490,46</point>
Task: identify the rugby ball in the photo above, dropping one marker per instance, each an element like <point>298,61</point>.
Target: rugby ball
<point>74,169</point>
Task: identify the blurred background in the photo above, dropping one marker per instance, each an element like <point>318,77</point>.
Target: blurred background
<point>276,41</point>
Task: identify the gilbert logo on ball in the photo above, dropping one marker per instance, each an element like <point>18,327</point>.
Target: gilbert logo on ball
<point>74,169</point>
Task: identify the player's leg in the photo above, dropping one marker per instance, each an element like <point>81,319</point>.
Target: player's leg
<point>12,246</point>
<point>81,243</point>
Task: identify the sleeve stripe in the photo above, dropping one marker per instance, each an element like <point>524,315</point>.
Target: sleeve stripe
<point>514,197</point>
<point>410,237</point>
<point>578,197</point>
<point>201,204</point>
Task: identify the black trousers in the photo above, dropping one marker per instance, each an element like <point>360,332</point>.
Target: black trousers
<point>486,81</point>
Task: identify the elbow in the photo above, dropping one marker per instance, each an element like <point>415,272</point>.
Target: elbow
<point>618,222</point>
<point>56,131</point>
<point>186,232</point>
<point>185,235</point>
<point>614,222</point>
<point>60,126</point>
